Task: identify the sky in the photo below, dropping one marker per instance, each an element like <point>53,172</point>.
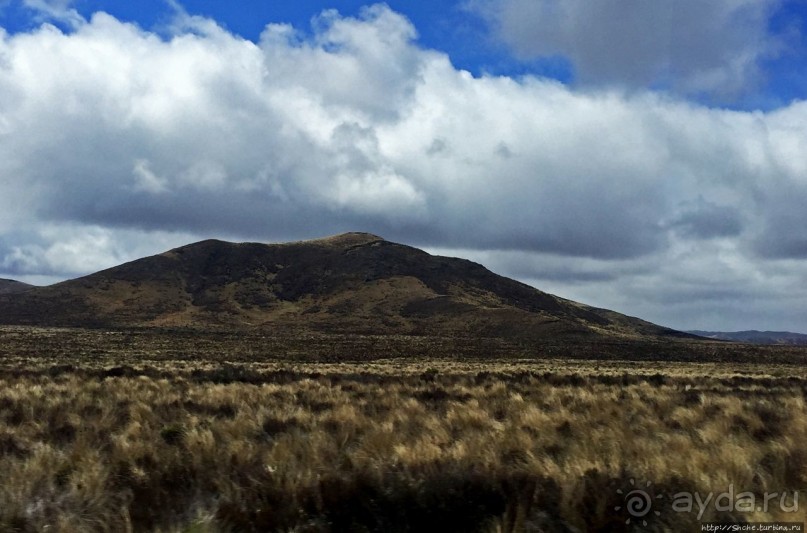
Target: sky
<point>646,157</point>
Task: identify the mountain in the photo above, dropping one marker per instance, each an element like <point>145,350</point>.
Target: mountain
<point>8,286</point>
<point>352,283</point>
<point>756,337</point>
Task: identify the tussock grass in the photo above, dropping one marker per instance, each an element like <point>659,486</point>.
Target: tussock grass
<point>513,447</point>
<point>114,444</point>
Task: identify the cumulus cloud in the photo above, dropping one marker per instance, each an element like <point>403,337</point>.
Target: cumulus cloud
<point>686,45</point>
<point>117,142</point>
<point>57,252</point>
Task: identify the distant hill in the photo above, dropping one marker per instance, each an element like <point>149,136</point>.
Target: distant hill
<point>8,286</point>
<point>350,283</point>
<point>756,337</point>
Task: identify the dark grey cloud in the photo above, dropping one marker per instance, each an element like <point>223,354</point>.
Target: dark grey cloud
<point>686,45</point>
<point>784,218</point>
<point>705,220</point>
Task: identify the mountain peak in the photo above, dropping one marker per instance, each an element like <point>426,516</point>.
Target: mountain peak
<point>348,283</point>
<point>343,240</point>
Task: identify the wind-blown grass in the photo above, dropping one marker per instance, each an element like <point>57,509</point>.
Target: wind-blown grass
<point>390,446</point>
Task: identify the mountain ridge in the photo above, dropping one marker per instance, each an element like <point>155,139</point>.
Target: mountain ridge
<point>755,337</point>
<point>8,286</point>
<point>353,282</point>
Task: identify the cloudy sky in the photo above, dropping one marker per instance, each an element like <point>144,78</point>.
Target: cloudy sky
<point>648,157</point>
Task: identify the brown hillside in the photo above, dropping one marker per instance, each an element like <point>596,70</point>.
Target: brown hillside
<point>8,286</point>
<point>350,283</point>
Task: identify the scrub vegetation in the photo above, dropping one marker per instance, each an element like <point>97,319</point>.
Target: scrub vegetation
<point>97,441</point>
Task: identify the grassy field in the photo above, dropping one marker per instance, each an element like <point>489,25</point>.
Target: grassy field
<point>122,431</point>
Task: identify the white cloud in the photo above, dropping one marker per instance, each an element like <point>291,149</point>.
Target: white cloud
<point>112,135</point>
<point>71,249</point>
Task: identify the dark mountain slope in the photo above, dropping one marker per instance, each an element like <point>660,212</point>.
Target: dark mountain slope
<point>351,283</point>
<point>8,286</point>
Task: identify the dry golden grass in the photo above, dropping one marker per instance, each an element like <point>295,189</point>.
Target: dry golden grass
<point>90,444</point>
